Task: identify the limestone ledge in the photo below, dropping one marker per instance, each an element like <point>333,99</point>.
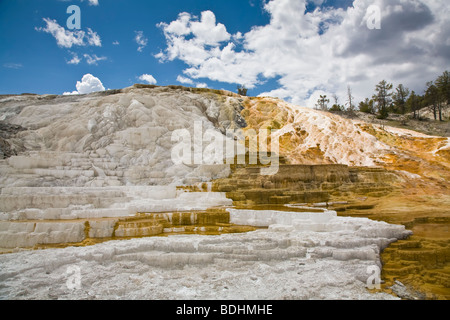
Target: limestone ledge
<point>67,203</point>
<point>29,234</point>
<point>287,260</point>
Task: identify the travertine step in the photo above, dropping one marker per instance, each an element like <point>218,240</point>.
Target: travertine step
<point>28,234</point>
<point>304,183</point>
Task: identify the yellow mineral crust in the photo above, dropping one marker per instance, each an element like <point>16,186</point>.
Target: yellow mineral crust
<point>213,221</point>
<point>416,193</point>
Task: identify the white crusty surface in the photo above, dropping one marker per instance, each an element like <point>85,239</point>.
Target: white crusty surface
<point>302,256</point>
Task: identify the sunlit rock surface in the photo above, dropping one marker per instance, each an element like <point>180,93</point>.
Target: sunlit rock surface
<point>83,170</point>
<point>300,256</point>
<point>315,137</point>
<point>102,140</point>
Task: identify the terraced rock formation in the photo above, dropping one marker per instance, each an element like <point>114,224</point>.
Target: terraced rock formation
<point>307,184</point>
<point>421,263</point>
<point>296,256</point>
<point>415,192</point>
<point>97,169</point>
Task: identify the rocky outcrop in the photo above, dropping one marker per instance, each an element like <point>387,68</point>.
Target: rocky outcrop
<point>305,184</point>
<point>8,131</point>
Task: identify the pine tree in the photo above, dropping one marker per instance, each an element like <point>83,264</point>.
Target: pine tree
<point>433,98</point>
<point>443,85</point>
<point>413,104</point>
<point>367,106</point>
<point>400,96</point>
<point>336,107</point>
<point>383,97</point>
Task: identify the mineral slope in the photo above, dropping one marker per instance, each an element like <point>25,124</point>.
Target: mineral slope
<point>88,169</point>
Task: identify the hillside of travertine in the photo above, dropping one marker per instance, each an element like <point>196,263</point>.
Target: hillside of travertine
<point>96,182</point>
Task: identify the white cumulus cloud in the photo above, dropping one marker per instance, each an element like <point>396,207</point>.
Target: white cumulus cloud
<point>75,59</point>
<point>93,38</point>
<point>93,59</point>
<point>90,2</point>
<point>141,40</point>
<point>148,78</point>
<point>88,84</point>
<point>188,81</point>
<point>322,51</point>
<point>184,80</point>
<point>201,85</point>
<point>67,39</point>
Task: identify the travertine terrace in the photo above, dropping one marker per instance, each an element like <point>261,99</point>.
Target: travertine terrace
<point>90,180</point>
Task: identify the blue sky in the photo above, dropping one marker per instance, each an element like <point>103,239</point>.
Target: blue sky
<point>31,61</point>
<point>293,49</point>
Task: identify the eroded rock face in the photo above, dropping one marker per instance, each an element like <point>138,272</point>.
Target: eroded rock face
<point>8,131</point>
<point>110,140</point>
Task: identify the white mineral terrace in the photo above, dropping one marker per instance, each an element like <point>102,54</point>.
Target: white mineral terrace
<point>31,216</point>
<point>300,255</point>
<point>102,157</point>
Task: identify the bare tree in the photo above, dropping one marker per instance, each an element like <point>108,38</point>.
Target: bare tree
<point>336,107</point>
<point>335,98</point>
<point>350,99</point>
<point>322,103</point>
<point>242,90</point>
